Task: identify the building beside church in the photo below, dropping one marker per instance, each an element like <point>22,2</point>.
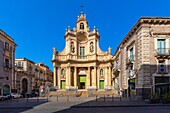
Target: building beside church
<point>141,61</point>
<point>31,77</point>
<point>82,64</point>
<point>7,61</point>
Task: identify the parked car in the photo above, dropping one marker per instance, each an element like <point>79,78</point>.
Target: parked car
<point>26,95</point>
<point>16,95</point>
<point>34,94</point>
<point>4,97</point>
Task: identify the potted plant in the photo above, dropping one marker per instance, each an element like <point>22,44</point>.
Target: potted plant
<point>166,98</point>
<point>154,98</point>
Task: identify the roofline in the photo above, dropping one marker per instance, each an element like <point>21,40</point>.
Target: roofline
<point>138,23</point>
<point>25,59</point>
<point>7,36</point>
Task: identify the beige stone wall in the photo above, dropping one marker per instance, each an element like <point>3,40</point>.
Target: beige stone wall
<point>36,75</point>
<point>6,72</point>
<point>144,35</point>
<point>89,64</point>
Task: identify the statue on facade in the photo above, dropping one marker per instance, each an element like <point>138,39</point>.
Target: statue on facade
<point>54,50</point>
<point>54,53</point>
<point>72,47</point>
<point>91,47</point>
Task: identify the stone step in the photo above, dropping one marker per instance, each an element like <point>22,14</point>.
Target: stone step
<point>80,93</point>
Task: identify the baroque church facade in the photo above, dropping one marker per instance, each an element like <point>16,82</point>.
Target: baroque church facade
<point>82,64</point>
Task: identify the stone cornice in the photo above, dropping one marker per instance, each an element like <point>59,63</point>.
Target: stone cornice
<point>145,20</point>
<point>7,36</point>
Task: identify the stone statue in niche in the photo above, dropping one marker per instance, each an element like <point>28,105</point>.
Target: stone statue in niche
<point>91,47</point>
<point>72,47</point>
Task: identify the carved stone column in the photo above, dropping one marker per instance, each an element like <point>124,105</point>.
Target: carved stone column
<point>75,76</point>
<point>67,77</point>
<point>88,77</point>
<point>109,76</point>
<point>106,76</point>
<point>98,77</point>
<point>59,77</point>
<point>54,76</point>
<point>94,77</point>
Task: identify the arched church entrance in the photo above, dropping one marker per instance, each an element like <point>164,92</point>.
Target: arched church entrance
<point>24,85</point>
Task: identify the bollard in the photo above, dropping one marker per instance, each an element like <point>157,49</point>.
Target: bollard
<point>104,97</point>
<point>57,98</point>
<point>112,97</point>
<point>47,97</point>
<point>96,97</point>
<point>37,98</point>
<point>67,98</point>
<point>27,98</point>
<point>120,98</point>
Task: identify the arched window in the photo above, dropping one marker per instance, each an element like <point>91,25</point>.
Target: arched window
<point>101,72</point>
<point>6,89</point>
<point>81,26</point>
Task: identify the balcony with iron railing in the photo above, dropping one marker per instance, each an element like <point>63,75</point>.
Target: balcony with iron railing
<point>83,57</point>
<point>162,53</point>
<point>116,69</point>
<point>130,59</point>
<point>7,67</point>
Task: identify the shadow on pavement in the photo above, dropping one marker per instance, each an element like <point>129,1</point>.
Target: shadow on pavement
<point>20,105</point>
<point>100,102</point>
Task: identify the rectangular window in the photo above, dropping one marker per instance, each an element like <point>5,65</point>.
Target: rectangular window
<point>20,64</point>
<point>10,48</point>
<point>82,52</point>
<point>6,62</point>
<point>161,46</point>
<point>131,54</point>
<point>6,46</point>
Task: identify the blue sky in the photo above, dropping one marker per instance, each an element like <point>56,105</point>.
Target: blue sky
<point>39,25</point>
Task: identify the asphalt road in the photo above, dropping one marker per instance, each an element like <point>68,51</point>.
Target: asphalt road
<point>158,109</point>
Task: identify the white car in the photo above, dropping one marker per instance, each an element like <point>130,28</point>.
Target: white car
<point>16,95</point>
<point>3,97</point>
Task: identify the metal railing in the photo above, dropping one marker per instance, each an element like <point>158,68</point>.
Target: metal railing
<point>83,57</point>
<point>163,51</point>
<point>130,59</point>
